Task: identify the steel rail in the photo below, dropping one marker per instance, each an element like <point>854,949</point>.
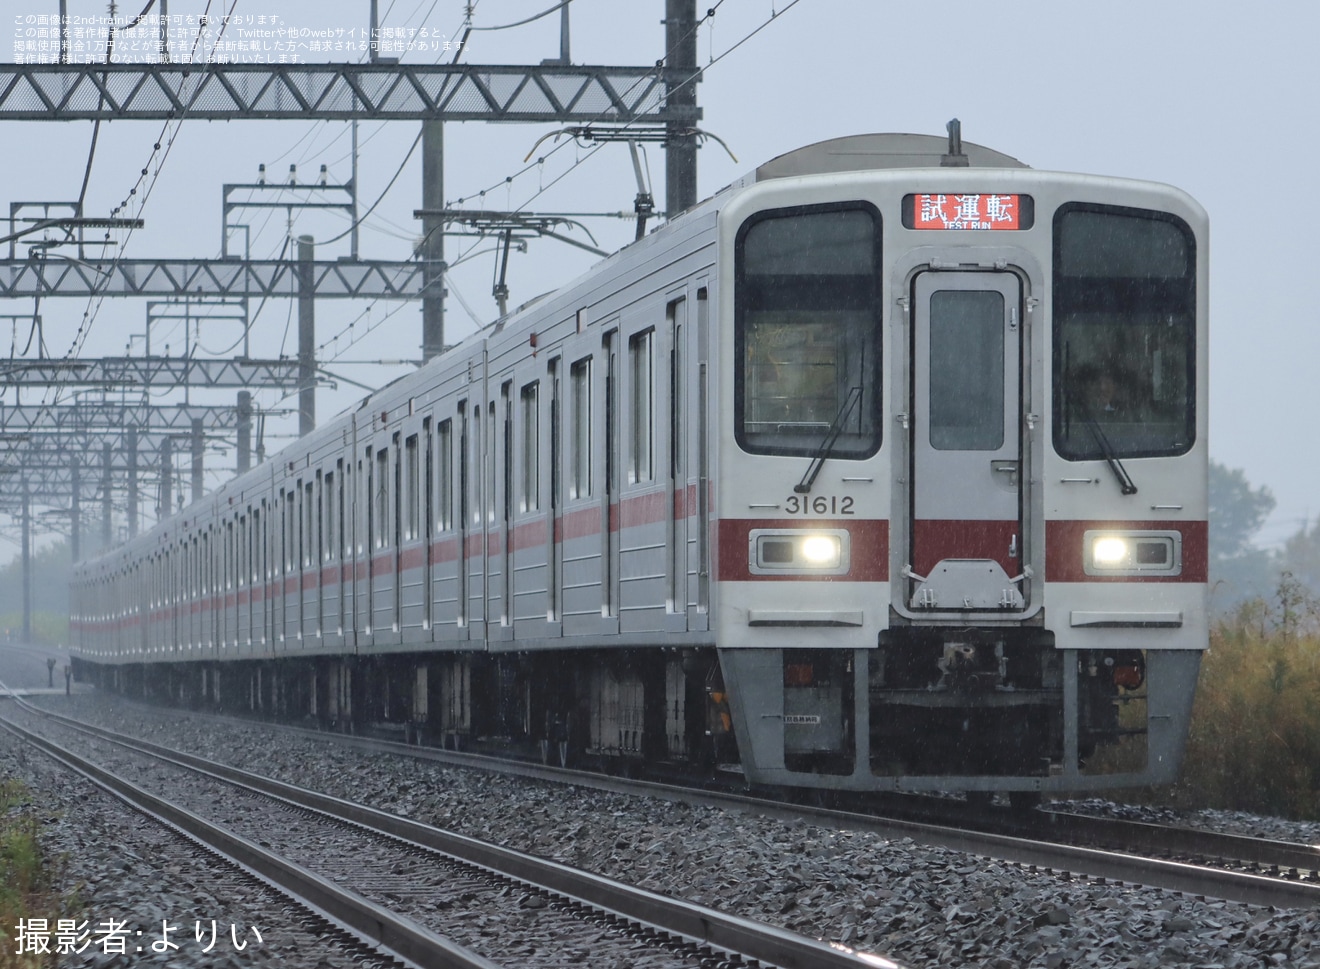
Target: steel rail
<point>1031,846</point>
<point>748,938</point>
<point>1171,840</point>
<point>399,936</point>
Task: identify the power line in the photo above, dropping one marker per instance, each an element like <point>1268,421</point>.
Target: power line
<point>94,301</point>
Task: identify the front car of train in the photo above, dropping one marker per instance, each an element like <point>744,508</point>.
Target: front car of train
<point>962,469</point>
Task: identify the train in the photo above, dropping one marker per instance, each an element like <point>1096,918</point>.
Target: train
<point>882,469</point>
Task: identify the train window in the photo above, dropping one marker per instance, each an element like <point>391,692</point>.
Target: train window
<point>1124,333</point>
<point>461,485</point>
<point>491,445</point>
<point>309,525</point>
<point>641,365</point>
<point>444,508</point>
<point>321,550</point>
<point>506,453</point>
<point>966,370</point>
<point>531,448</point>
<point>382,501</point>
<point>342,547</point>
<point>412,488</point>
<point>293,536</point>
<point>242,565</point>
<point>579,481</point>
<point>328,546</point>
<point>256,546</point>
<point>807,330</point>
<point>474,476</point>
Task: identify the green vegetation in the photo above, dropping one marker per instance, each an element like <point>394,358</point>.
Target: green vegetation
<point>28,879</point>
<point>47,629</point>
<point>50,596</point>
<point>1255,736</point>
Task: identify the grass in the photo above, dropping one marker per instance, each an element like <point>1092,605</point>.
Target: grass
<point>29,879</point>
<point>47,629</point>
<point>1254,743</point>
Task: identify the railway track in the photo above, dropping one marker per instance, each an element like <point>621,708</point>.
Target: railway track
<point>425,896</point>
<point>1211,864</point>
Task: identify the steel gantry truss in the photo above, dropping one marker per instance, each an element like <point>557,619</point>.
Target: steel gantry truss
<point>113,416</point>
<point>651,102</point>
<point>149,371</point>
<point>374,279</point>
<point>366,92</point>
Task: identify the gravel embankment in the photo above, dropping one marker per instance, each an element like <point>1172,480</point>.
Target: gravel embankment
<point>1225,822</point>
<point>133,880</point>
<point>926,906</point>
<point>486,914</point>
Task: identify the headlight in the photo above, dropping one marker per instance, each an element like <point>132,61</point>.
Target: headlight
<point>798,551</point>
<point>822,551</point>
<point>1132,553</point>
<point>1110,551</point>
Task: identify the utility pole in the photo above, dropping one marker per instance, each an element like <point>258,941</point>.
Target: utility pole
<point>198,450</point>
<point>680,139</point>
<point>27,563</point>
<point>75,508</point>
<point>244,430</point>
<point>166,479</point>
<point>306,338</point>
<point>433,239</point>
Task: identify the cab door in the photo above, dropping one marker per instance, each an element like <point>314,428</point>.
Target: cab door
<point>966,449</point>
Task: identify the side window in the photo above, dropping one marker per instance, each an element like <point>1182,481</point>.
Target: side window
<point>641,371</point>
<point>444,469</point>
<point>309,525</point>
<point>476,469</point>
<point>290,536</point>
<point>579,481</point>
<point>331,543</point>
<point>1124,333</point>
<point>530,499</point>
<point>491,445</point>
<point>382,498</point>
<point>807,331</point>
<point>244,555</point>
<point>412,490</point>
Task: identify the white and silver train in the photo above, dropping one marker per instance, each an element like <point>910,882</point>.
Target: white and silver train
<point>882,469</point>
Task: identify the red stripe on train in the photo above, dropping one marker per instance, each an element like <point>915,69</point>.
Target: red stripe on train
<point>1064,550</point>
<point>868,553</point>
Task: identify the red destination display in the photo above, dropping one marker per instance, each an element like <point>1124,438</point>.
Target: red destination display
<point>966,212</point>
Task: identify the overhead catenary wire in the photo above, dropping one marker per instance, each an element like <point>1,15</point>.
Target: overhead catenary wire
<point>96,126</point>
<point>97,297</point>
<point>469,29</point>
<point>354,222</point>
<point>538,164</point>
<point>710,13</point>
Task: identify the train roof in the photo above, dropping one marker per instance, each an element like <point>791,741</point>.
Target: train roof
<point>858,153</point>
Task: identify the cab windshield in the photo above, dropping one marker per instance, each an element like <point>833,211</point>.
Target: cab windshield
<point>1124,333</point>
<point>807,331</point>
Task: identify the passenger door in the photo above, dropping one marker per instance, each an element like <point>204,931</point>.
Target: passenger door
<point>966,535</point>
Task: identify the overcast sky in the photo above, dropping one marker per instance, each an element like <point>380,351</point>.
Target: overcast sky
<point>1216,98</point>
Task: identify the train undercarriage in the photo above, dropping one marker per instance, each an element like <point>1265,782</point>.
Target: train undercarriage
<point>972,710</point>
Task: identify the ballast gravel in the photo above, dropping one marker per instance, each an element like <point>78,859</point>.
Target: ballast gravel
<point>925,906</point>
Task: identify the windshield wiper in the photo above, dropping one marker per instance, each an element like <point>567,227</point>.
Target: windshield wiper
<point>1125,483</point>
<point>803,487</point>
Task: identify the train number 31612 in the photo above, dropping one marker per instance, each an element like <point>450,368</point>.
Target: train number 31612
<point>819,505</point>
